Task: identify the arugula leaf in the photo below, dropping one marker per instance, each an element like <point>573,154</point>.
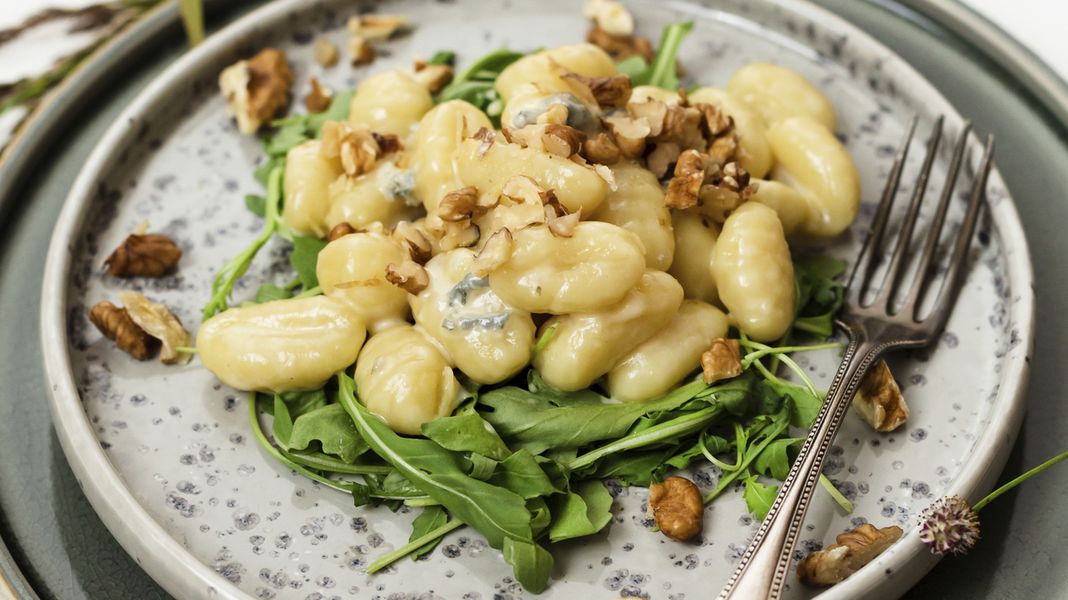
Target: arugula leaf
<point>443,57</point>
<point>531,563</point>
<point>432,517</point>
<point>522,474</point>
<point>663,71</point>
<point>467,433</point>
<point>332,428</point>
<point>537,385</point>
<point>774,461</point>
<point>263,172</point>
<point>540,517</point>
<point>305,257</point>
<point>759,497</point>
<point>804,406</point>
<point>497,513</point>
<point>475,84</point>
<point>299,403</point>
<point>282,428</point>
<point>584,511</point>
<point>257,205</point>
<point>634,67</point>
<point>482,468</point>
<point>819,294</point>
<point>638,467</point>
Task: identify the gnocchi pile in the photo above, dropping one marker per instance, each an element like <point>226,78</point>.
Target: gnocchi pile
<point>515,236</point>
<point>507,284</point>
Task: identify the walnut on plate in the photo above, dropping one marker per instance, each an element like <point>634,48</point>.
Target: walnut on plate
<point>879,401</point>
<point>256,89</point>
<point>677,507</point>
<point>409,276</point>
<point>853,550</point>
<point>115,323</point>
<point>144,255</point>
<point>722,360</point>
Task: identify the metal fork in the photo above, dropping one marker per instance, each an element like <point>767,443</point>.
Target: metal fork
<point>873,328</point>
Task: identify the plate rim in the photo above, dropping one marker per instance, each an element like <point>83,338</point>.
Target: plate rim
<point>151,546</point>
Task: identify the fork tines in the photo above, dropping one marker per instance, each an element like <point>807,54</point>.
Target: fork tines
<point>888,289</point>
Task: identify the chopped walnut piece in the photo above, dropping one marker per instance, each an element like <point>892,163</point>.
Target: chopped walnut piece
<point>388,142</point>
<point>361,52</point>
<point>409,276</point>
<point>620,47</point>
<point>629,134</point>
<point>853,550</point>
<point>451,235</point>
<point>144,255</point>
<point>339,231</point>
<point>555,114</point>
<point>529,136</point>
<point>719,129</point>
<point>256,89</point>
<point>609,15</point>
<point>661,158</point>
<point>496,252</point>
<point>115,323</point>
<point>562,226</point>
<point>721,361</point>
<point>562,140</point>
<point>652,112</point>
<point>458,205</point>
<point>685,185</point>
<point>377,27</point>
<point>434,77</point>
<point>682,125</point>
<point>726,190</point>
<point>601,149</point>
<point>159,322</point>
<point>324,52</point>
<point>678,508</point>
<point>487,137</point>
<point>318,97</point>
<point>354,145</point>
<point>879,400</point>
<point>611,91</point>
<point>412,239</point>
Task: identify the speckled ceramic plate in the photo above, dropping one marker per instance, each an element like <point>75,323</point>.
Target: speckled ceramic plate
<point>164,453</point>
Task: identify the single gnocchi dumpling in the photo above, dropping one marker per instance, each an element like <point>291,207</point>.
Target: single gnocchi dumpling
<point>584,346</point>
<point>637,205</point>
<point>695,251</point>
<point>380,196</point>
<point>530,102</point>
<point>545,69</point>
<point>754,152</point>
<point>284,345</point>
<point>661,362</point>
<point>810,158</point>
<point>308,178</point>
<point>434,156</point>
<point>592,269</point>
<point>778,93</point>
<point>352,269</point>
<point>402,377</point>
<point>577,187</point>
<point>754,273</point>
<point>390,102</point>
<point>482,335</point>
<point>791,205</point>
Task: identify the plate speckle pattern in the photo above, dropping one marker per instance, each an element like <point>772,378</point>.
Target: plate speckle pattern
<point>180,440</point>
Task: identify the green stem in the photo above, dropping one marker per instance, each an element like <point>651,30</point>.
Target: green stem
<point>192,12</point>
<point>744,466</point>
<point>323,462</point>
<point>837,495</point>
<point>755,355</point>
<point>421,501</point>
<point>266,444</point>
<point>678,426</point>
<point>315,291</point>
<point>413,545</point>
<point>663,68</point>
<point>1022,478</point>
<point>786,360</point>
<point>185,349</point>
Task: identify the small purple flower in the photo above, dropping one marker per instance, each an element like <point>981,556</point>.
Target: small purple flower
<point>949,526</point>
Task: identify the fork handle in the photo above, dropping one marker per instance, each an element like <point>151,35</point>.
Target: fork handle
<point>763,568</point>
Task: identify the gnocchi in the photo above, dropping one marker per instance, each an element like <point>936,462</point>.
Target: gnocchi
<point>487,339</point>
<point>440,132</point>
<point>585,345</point>
<point>390,102</point>
<point>577,187</point>
<point>695,243</point>
<point>662,361</point>
<point>754,274</point>
<point>294,344</point>
<point>362,201</point>
<point>592,269</point>
<point>544,69</point>
<point>308,180</point>
<point>637,205</point>
<point>352,269</point>
<point>778,93</point>
<point>402,377</point>
<point>809,156</point>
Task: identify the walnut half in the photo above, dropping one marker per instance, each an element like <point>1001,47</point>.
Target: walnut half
<point>879,400</point>
<point>159,322</point>
<point>722,361</point>
<point>144,255</point>
<point>115,323</point>
<point>677,507</point>
<point>853,550</point>
<point>256,89</point>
